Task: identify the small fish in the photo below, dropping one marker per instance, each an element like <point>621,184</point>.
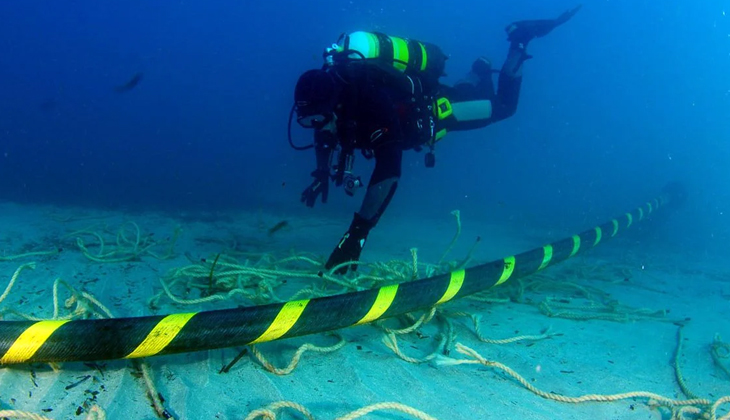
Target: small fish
<point>77,383</point>
<point>277,227</point>
<point>131,84</point>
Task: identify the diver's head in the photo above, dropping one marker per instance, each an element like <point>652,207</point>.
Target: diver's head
<point>315,98</point>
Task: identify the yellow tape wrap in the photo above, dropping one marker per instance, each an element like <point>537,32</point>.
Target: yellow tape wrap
<point>507,269</point>
<point>287,317</point>
<point>576,245</point>
<point>400,53</point>
<point>547,255</point>
<point>30,341</point>
<point>455,283</point>
<point>160,336</point>
<point>599,233</point>
<point>382,303</point>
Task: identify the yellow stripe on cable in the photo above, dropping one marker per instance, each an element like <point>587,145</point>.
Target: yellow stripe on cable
<point>576,245</point>
<point>287,317</point>
<point>30,341</point>
<point>547,255</point>
<point>455,283</point>
<point>164,332</point>
<point>382,302</point>
<point>507,269</point>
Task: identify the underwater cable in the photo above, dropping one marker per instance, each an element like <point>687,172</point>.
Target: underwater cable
<point>129,338</point>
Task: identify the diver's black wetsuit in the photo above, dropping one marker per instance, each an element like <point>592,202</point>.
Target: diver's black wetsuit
<point>376,117</point>
<point>378,107</point>
<point>476,88</point>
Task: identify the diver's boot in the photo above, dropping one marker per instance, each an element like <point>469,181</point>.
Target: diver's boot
<point>524,31</point>
<point>350,246</point>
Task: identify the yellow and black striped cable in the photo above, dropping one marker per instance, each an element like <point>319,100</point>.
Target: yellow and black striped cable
<point>120,338</point>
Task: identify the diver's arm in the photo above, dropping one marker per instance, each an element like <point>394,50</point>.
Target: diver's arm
<point>324,144</point>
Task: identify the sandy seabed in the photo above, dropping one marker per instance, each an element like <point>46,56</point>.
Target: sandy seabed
<point>629,352</point>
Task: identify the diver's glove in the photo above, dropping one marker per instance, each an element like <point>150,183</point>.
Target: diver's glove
<point>525,31</point>
<point>350,245</point>
<point>320,185</point>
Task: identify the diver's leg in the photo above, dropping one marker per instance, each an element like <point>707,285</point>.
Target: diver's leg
<point>477,84</point>
<point>381,188</point>
<point>471,99</point>
<point>510,77</point>
<point>383,182</point>
<point>475,104</point>
<point>510,82</point>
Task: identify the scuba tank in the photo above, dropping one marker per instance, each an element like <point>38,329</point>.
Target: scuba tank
<point>402,54</point>
<point>412,65</point>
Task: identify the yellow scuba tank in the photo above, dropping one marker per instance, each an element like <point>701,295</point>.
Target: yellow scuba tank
<point>405,55</point>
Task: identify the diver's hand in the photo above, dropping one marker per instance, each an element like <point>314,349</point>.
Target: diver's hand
<point>320,185</point>
<point>525,30</point>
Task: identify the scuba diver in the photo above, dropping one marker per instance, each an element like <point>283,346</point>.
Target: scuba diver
<point>381,95</point>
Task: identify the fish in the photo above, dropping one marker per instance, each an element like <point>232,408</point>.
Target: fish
<point>131,84</point>
<point>277,227</point>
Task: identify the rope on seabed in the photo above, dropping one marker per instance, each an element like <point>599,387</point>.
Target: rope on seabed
<point>297,355</point>
<point>95,413</point>
<point>653,398</point>
<point>269,412</point>
<point>135,246</point>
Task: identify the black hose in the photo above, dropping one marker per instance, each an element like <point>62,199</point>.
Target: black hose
<point>288,133</point>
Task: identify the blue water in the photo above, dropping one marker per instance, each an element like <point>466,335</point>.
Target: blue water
<point>624,98</point>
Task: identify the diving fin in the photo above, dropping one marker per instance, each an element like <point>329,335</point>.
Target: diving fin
<point>524,31</point>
